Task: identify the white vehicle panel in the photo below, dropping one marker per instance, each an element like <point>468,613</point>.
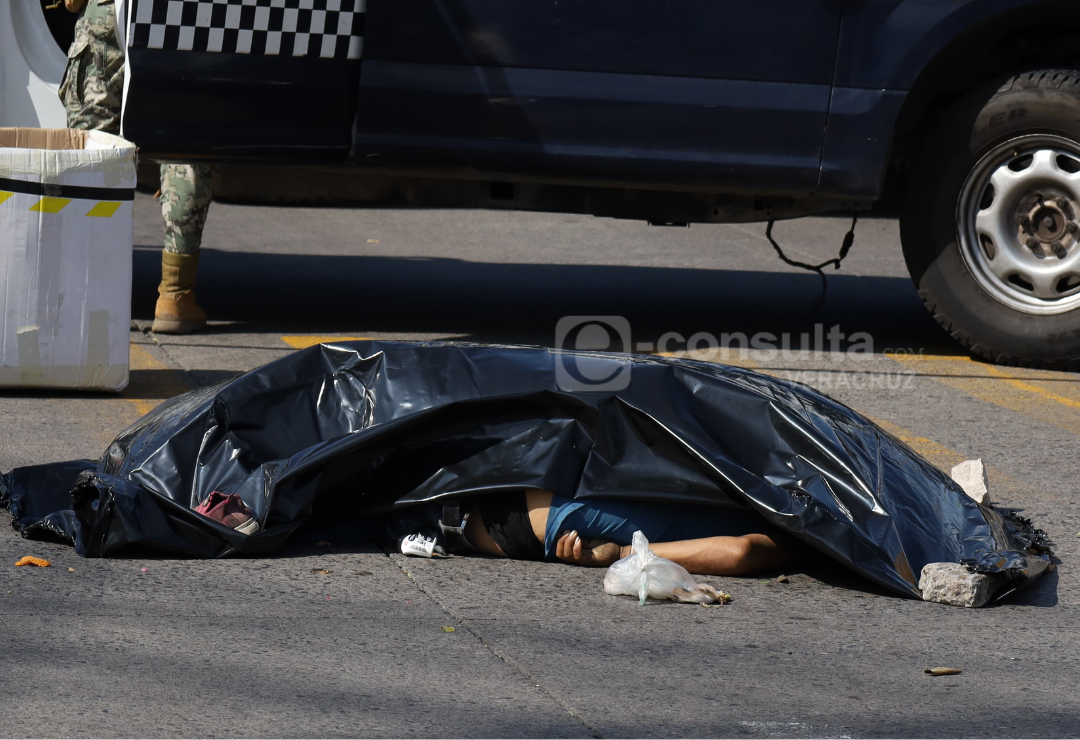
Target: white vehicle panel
<point>31,67</point>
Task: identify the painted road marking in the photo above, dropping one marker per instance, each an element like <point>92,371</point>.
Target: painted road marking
<point>152,381</point>
<point>303,342</point>
<point>1044,395</point>
<point>1068,382</point>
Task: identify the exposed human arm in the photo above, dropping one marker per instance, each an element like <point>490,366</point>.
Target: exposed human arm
<point>715,556</point>
<point>724,556</point>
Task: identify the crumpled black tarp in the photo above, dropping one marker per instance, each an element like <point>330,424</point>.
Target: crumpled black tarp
<point>355,428</point>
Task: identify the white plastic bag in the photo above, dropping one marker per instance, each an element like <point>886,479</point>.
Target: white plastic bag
<point>646,575</point>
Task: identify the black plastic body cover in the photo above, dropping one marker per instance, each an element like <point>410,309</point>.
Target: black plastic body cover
<point>358,428</point>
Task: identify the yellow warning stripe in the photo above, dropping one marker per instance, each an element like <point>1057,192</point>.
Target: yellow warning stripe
<point>100,209</point>
<point>104,209</point>
<point>50,205</point>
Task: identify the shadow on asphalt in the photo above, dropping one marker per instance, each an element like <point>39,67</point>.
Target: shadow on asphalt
<point>143,384</point>
<point>522,303</point>
<point>1042,593</point>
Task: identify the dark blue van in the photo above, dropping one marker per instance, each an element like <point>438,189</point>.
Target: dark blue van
<point>672,111</point>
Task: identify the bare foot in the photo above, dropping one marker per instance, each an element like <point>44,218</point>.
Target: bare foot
<point>570,548</point>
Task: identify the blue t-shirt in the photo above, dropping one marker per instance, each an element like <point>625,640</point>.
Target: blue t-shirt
<point>659,522</point>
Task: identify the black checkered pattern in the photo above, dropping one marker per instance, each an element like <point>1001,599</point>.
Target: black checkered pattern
<point>331,29</point>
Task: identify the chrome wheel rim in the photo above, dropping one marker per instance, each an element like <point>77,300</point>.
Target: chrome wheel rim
<point>1018,222</point>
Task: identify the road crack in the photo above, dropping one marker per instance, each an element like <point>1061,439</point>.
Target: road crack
<point>462,623</point>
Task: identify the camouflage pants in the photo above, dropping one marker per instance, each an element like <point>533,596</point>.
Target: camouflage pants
<point>92,91</point>
<point>186,192</point>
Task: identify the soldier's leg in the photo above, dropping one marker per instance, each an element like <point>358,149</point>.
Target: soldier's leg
<point>186,192</point>
<point>93,82</point>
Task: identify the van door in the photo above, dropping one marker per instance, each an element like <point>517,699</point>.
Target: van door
<point>730,94</point>
<point>243,79</point>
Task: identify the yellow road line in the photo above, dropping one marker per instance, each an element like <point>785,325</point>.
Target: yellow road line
<point>303,341</point>
<point>1044,395</point>
<point>152,381</point>
<point>1033,388</point>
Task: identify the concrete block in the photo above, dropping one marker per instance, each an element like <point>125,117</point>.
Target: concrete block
<point>971,475</point>
<point>953,583</point>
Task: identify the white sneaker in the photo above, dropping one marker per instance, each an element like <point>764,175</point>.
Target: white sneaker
<point>419,546</point>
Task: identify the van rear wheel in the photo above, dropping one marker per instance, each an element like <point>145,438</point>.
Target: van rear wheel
<point>991,221</point>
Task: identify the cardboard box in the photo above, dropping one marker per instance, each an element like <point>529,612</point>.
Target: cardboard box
<point>66,200</point>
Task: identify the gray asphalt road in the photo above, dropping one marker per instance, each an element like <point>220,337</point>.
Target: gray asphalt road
<point>266,647</point>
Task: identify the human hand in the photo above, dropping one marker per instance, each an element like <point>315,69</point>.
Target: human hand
<point>570,548</point>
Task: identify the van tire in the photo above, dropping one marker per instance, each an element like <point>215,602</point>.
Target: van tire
<point>1042,106</point>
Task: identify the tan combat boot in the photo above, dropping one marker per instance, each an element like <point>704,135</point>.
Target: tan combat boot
<point>177,312</point>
